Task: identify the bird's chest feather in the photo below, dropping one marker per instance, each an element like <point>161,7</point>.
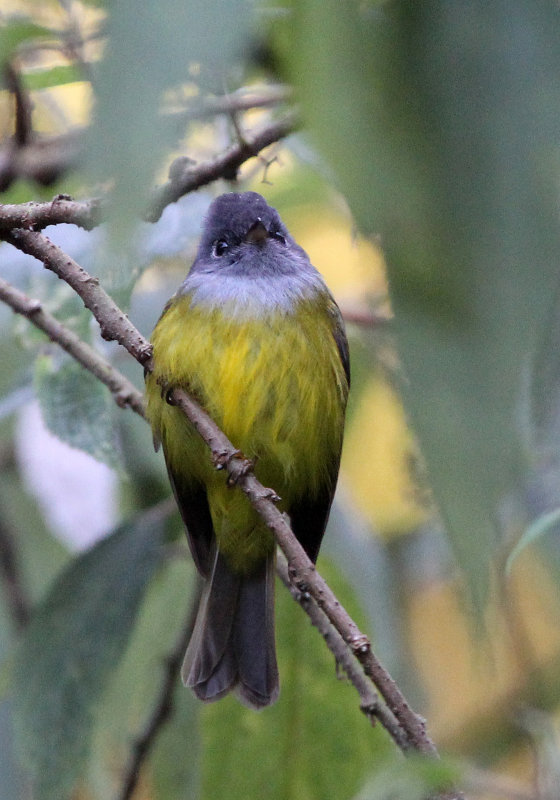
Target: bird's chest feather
<point>274,383</point>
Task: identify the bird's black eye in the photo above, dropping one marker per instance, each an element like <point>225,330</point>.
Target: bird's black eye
<point>280,237</point>
<point>220,247</point>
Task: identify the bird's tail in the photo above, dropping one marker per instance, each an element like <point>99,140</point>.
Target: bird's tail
<point>232,645</point>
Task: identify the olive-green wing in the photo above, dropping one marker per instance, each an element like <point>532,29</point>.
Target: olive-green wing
<point>339,334</point>
<point>309,515</point>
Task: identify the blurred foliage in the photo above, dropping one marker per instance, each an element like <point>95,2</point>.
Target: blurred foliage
<point>17,31</point>
<point>70,650</point>
<point>127,702</point>
<point>414,779</point>
<point>541,526</point>
<point>77,408</point>
<point>451,114</point>
<point>432,129</point>
<point>181,37</point>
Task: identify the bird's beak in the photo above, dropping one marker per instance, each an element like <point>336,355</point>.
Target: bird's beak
<point>257,233</point>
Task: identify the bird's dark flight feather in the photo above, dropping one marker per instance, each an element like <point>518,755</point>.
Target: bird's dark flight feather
<point>193,504</point>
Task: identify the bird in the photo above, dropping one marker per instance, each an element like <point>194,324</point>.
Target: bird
<point>256,338</point>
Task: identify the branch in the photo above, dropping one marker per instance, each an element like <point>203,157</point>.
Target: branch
<point>188,178</point>
<point>369,701</point>
<point>36,216</point>
<point>23,125</point>
<point>302,572</point>
<point>114,324</point>
<point>45,159</point>
<point>233,103</point>
<point>26,155</point>
<point>185,179</point>
<point>124,392</point>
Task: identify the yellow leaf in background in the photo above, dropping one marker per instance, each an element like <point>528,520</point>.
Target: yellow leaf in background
<point>477,683</point>
<point>378,455</point>
<point>352,266</point>
<point>72,100</point>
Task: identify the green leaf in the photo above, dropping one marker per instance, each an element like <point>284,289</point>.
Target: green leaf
<point>313,743</point>
<point>77,408</point>
<point>12,779</point>
<point>40,555</point>
<point>16,31</point>
<point>544,524</point>
<point>447,148</point>
<point>55,76</point>
<point>71,648</point>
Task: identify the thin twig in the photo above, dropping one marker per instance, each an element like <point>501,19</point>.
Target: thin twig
<point>124,392</point>
<point>162,710</point>
<point>16,596</point>
<point>114,324</point>
<point>231,103</point>
<point>370,703</point>
<point>226,165</point>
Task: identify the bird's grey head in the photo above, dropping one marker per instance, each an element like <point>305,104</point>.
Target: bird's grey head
<point>247,259</point>
<point>243,235</point>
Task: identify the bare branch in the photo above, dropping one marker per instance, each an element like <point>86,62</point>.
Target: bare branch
<point>36,216</point>
<point>45,159</point>
<point>23,127</point>
<point>114,324</point>
<point>369,700</point>
<point>244,100</point>
<point>124,392</point>
<point>29,155</point>
<point>226,165</point>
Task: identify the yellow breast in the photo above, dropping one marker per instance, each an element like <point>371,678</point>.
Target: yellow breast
<point>275,385</point>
